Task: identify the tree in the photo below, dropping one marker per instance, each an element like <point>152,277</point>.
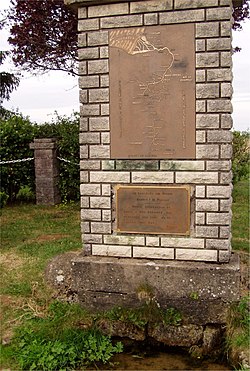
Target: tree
<point>44,34</point>
<point>8,81</point>
<point>240,13</point>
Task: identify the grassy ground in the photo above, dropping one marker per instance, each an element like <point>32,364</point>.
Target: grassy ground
<point>31,235</point>
<point>240,224</point>
<point>239,322</point>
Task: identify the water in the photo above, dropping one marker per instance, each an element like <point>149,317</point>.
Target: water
<point>164,361</point>
<point>158,360</point>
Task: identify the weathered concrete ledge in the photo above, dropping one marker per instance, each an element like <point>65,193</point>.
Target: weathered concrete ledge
<point>76,3</point>
<point>202,292</point>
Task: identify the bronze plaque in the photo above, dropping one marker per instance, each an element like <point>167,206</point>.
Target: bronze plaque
<point>153,210</point>
<point>152,92</point>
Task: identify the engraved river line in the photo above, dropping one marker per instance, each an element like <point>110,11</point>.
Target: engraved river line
<point>153,70</point>
<point>135,43</point>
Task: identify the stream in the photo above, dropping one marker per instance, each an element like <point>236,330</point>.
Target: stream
<point>165,361</point>
<point>169,360</point>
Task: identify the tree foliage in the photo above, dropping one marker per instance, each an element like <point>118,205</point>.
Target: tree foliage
<point>8,81</point>
<point>43,35</point>
<point>17,132</point>
<point>241,13</point>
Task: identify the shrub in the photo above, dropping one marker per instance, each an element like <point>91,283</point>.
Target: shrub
<point>3,199</point>
<point>240,158</point>
<point>25,194</point>
<point>16,133</point>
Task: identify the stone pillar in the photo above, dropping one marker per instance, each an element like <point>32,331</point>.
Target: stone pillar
<point>155,94</point>
<point>46,171</point>
<point>155,150</point>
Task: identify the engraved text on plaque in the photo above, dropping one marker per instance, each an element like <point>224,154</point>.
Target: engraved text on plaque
<point>153,209</point>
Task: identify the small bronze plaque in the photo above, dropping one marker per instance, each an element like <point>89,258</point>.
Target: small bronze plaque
<point>153,210</point>
<point>152,92</point>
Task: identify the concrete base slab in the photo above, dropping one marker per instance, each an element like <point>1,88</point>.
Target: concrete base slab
<point>202,292</point>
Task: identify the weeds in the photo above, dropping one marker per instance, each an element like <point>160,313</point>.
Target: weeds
<point>239,326</point>
<point>242,368</point>
<point>73,348</point>
<point>134,316</point>
<point>30,236</point>
<point>172,317</point>
<point>54,341</point>
<point>146,313</point>
<point>241,317</point>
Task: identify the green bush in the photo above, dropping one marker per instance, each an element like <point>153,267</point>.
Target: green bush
<point>240,159</point>
<point>16,133</point>
<point>25,194</point>
<point>3,199</point>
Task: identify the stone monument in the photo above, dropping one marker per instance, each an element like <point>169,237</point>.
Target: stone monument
<point>155,154</point>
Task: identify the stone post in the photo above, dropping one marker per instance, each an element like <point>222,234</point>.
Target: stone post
<point>46,171</point>
<point>155,155</point>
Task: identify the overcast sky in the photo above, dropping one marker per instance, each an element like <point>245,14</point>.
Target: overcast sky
<point>40,96</point>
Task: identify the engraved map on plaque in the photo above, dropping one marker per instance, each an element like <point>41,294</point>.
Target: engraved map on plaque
<point>153,209</point>
<point>152,92</point>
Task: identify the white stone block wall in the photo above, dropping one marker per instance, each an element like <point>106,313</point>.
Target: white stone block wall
<point>209,175</point>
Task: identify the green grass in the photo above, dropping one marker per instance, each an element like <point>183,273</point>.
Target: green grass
<point>30,236</point>
<point>26,225</point>
<point>238,326</point>
<point>55,341</point>
<point>238,323</point>
<point>240,222</point>
<point>46,334</point>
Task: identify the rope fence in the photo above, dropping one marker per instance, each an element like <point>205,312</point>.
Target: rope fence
<point>16,161</point>
<point>32,158</point>
<point>69,162</point>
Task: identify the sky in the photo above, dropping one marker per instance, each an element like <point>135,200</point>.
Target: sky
<point>40,96</point>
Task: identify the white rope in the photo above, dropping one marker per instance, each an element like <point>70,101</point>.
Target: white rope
<point>16,161</point>
<point>32,158</point>
<point>69,162</point>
